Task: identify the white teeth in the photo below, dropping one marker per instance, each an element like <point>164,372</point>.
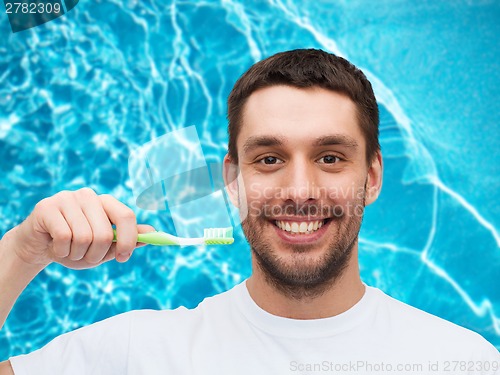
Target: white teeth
<point>299,227</point>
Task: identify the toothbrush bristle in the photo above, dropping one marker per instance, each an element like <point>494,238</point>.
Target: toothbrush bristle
<point>218,233</point>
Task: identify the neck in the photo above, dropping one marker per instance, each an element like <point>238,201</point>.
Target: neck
<point>337,297</point>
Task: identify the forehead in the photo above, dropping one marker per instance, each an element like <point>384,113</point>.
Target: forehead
<point>299,115</point>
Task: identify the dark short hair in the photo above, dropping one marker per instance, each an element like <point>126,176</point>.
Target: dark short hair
<point>304,68</point>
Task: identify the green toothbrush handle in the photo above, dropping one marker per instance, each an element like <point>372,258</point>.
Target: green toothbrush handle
<point>154,238</point>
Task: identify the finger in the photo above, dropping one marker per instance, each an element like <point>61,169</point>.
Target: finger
<point>79,225</point>
<point>102,231</point>
<point>119,257</point>
<point>126,226</point>
<point>141,228</point>
<point>110,255</point>
<point>56,227</point>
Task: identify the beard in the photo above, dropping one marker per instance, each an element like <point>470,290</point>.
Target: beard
<point>299,276</point>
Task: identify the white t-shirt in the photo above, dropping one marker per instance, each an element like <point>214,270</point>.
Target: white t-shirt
<point>229,334</point>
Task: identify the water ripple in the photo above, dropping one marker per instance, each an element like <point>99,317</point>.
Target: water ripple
<point>78,95</point>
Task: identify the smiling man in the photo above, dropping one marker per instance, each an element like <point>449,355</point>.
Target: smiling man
<point>303,162</point>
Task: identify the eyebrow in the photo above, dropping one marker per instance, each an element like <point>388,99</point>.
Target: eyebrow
<point>337,139</point>
<point>261,141</point>
<point>328,140</point>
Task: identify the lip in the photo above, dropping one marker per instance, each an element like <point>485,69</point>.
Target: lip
<point>300,218</point>
<point>300,238</point>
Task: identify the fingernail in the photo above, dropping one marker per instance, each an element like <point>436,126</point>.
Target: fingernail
<point>122,257</point>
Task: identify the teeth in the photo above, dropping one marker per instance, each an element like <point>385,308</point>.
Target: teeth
<point>299,227</point>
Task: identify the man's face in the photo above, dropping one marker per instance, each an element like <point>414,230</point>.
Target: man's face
<point>303,179</point>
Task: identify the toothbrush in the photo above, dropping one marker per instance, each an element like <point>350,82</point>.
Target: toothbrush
<point>211,236</point>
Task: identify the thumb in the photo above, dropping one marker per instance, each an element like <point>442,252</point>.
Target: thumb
<point>144,228</point>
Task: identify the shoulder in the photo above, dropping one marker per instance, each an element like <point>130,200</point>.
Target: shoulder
<point>211,307</point>
<point>423,328</point>
<point>157,332</point>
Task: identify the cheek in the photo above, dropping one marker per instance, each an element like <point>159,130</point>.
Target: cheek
<point>347,199</point>
<point>252,197</point>
<point>258,190</point>
<point>343,191</point>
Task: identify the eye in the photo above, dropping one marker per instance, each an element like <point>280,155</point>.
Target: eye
<point>329,159</point>
<point>269,160</point>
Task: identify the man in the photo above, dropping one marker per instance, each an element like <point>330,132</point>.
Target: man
<point>303,162</point>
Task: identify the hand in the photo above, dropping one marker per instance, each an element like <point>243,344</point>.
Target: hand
<point>74,229</point>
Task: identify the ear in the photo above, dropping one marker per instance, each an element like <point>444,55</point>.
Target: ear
<point>374,179</point>
<point>231,180</point>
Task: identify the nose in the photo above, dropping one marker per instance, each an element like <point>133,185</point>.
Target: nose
<point>300,182</point>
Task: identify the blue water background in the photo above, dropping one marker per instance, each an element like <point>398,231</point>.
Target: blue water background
<point>79,94</point>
